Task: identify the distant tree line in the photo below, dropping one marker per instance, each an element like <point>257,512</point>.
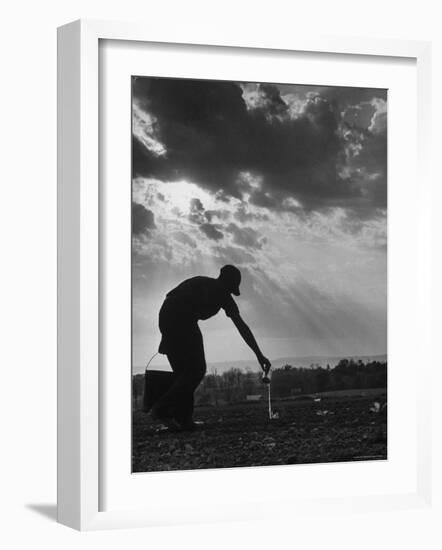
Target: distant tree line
<point>347,374</point>
<point>235,385</point>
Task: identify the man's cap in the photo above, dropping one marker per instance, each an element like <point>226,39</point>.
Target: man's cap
<point>232,276</point>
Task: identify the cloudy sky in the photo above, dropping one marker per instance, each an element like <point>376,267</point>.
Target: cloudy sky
<point>287,182</point>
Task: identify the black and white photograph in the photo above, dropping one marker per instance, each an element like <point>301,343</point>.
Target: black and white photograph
<point>221,265</point>
<point>259,274</point>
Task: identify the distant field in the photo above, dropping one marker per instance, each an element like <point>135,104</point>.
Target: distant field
<point>352,393</point>
<point>344,428</point>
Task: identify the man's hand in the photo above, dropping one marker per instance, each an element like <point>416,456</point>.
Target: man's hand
<point>265,363</point>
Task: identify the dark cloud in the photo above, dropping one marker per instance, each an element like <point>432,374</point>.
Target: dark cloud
<point>143,220</point>
<point>359,116</point>
<point>184,238</point>
<point>196,214</point>
<point>344,96</point>
<point>243,215</point>
<point>211,137</point>
<point>272,104</point>
<point>245,236</point>
<point>220,214</point>
<point>211,231</point>
<point>368,169</point>
<point>203,218</point>
<point>341,95</point>
<point>196,205</point>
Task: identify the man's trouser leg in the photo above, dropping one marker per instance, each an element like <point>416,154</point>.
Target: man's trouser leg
<point>189,365</point>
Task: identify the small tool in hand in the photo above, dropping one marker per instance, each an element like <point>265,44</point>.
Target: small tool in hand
<point>266,377</point>
<point>266,380</point>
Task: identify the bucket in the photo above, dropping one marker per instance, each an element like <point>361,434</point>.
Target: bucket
<point>156,384</point>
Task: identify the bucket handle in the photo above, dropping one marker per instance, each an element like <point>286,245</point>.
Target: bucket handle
<point>150,361</point>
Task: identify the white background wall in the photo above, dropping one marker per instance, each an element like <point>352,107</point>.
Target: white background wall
<point>28,276</point>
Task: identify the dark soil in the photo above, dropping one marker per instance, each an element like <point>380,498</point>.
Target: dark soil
<point>332,430</point>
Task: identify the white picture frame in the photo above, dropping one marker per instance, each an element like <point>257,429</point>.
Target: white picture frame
<point>79,296</point>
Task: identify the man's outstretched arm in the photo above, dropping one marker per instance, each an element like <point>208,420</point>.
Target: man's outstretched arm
<point>249,339</point>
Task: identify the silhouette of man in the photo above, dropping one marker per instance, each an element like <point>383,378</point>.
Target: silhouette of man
<point>195,299</point>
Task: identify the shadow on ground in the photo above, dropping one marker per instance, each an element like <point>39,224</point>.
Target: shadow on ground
<point>49,511</point>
